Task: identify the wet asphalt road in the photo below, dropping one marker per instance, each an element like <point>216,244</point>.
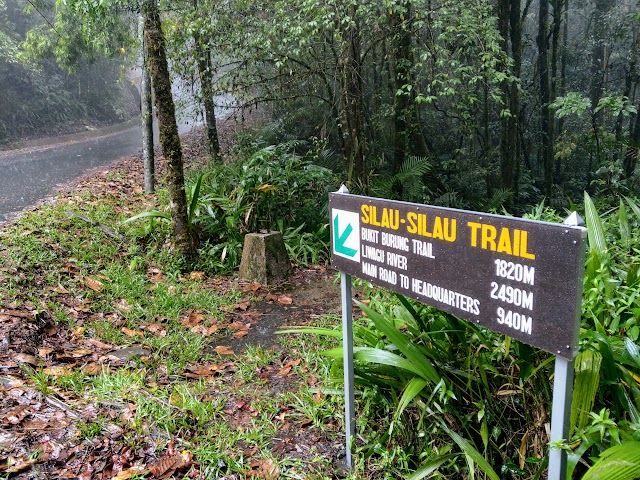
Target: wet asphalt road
<point>31,174</point>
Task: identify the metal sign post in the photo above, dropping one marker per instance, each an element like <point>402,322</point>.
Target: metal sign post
<point>340,237</point>
<point>519,277</point>
<point>563,392</point>
<point>560,416</point>
<point>347,352</point>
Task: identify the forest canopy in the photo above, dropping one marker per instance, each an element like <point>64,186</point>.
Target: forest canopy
<point>472,104</point>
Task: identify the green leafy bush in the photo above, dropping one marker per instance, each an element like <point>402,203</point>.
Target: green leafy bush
<point>268,189</point>
<point>459,400</point>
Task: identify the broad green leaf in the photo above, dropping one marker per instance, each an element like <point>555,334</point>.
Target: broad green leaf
<point>312,330</point>
<point>621,462</point>
<point>412,390</point>
<point>429,467</point>
<point>633,350</point>
<point>404,344</point>
<point>623,222</point>
<point>634,206</point>
<point>195,196</point>
<point>573,457</point>
<point>384,357</point>
<point>595,229</point>
<point>472,453</point>
<point>151,214</point>
<point>587,381</point>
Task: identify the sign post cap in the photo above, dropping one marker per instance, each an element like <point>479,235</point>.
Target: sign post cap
<point>343,189</point>
<point>575,220</point>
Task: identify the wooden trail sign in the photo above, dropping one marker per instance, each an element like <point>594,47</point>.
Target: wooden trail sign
<point>519,277</point>
<point>522,278</point>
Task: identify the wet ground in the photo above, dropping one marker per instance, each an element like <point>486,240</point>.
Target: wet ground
<point>32,173</point>
<point>311,292</point>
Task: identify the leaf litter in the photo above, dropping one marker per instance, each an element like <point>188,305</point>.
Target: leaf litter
<point>45,426</point>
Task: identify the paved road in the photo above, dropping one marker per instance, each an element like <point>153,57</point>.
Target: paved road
<point>31,174</point>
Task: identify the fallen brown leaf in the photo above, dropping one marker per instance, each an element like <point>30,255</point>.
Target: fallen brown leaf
<point>98,344</point>
<point>80,352</point>
<point>205,370</point>
<point>17,414</point>
<point>60,289</point>
<point>15,465</point>
<point>93,284</point>
<point>193,319</point>
<point>123,305</point>
<point>289,365</point>
<point>167,466</point>
<point>197,276</point>
<point>205,331</point>
<point>92,368</point>
<point>131,472</point>
<point>17,313</point>
<point>266,469</point>
<point>25,358</point>
<point>222,350</point>
<point>132,333</point>
<point>285,300</point>
<point>57,371</point>
<point>242,305</point>
<point>158,329</point>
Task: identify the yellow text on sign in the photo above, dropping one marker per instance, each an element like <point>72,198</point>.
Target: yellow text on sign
<point>388,218</point>
<point>508,241</point>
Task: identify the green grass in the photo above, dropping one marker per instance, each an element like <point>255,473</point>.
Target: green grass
<point>228,420</point>
<point>428,383</point>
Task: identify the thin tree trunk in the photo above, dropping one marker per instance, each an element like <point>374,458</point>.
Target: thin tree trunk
<point>631,156</point>
<point>355,142</point>
<point>562,81</point>
<point>515,147</point>
<point>546,136</point>
<point>169,138</point>
<point>509,24</point>
<point>599,56</point>
<point>558,9</point>
<point>408,138</point>
<point>146,112</point>
<point>205,72</point>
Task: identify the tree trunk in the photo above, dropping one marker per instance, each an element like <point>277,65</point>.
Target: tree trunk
<point>556,24</point>
<point>355,142</point>
<point>146,112</point>
<point>599,58</point>
<point>408,138</point>
<point>510,26</point>
<point>629,80</point>
<point>559,123</point>
<point>631,156</point>
<point>205,72</point>
<point>168,127</point>
<point>546,135</point>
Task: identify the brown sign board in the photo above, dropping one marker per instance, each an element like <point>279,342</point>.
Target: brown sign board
<point>522,278</point>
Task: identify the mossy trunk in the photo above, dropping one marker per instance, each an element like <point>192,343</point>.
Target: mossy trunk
<point>205,72</point>
<point>168,130</point>
<point>353,104</point>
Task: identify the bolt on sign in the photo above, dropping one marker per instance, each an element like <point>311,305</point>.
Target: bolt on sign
<point>518,277</point>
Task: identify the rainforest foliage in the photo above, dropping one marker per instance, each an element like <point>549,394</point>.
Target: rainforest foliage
<point>527,106</point>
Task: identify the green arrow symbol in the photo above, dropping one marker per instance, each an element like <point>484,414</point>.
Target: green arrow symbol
<point>339,239</point>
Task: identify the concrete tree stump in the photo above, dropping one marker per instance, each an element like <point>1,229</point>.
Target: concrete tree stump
<point>264,258</point>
